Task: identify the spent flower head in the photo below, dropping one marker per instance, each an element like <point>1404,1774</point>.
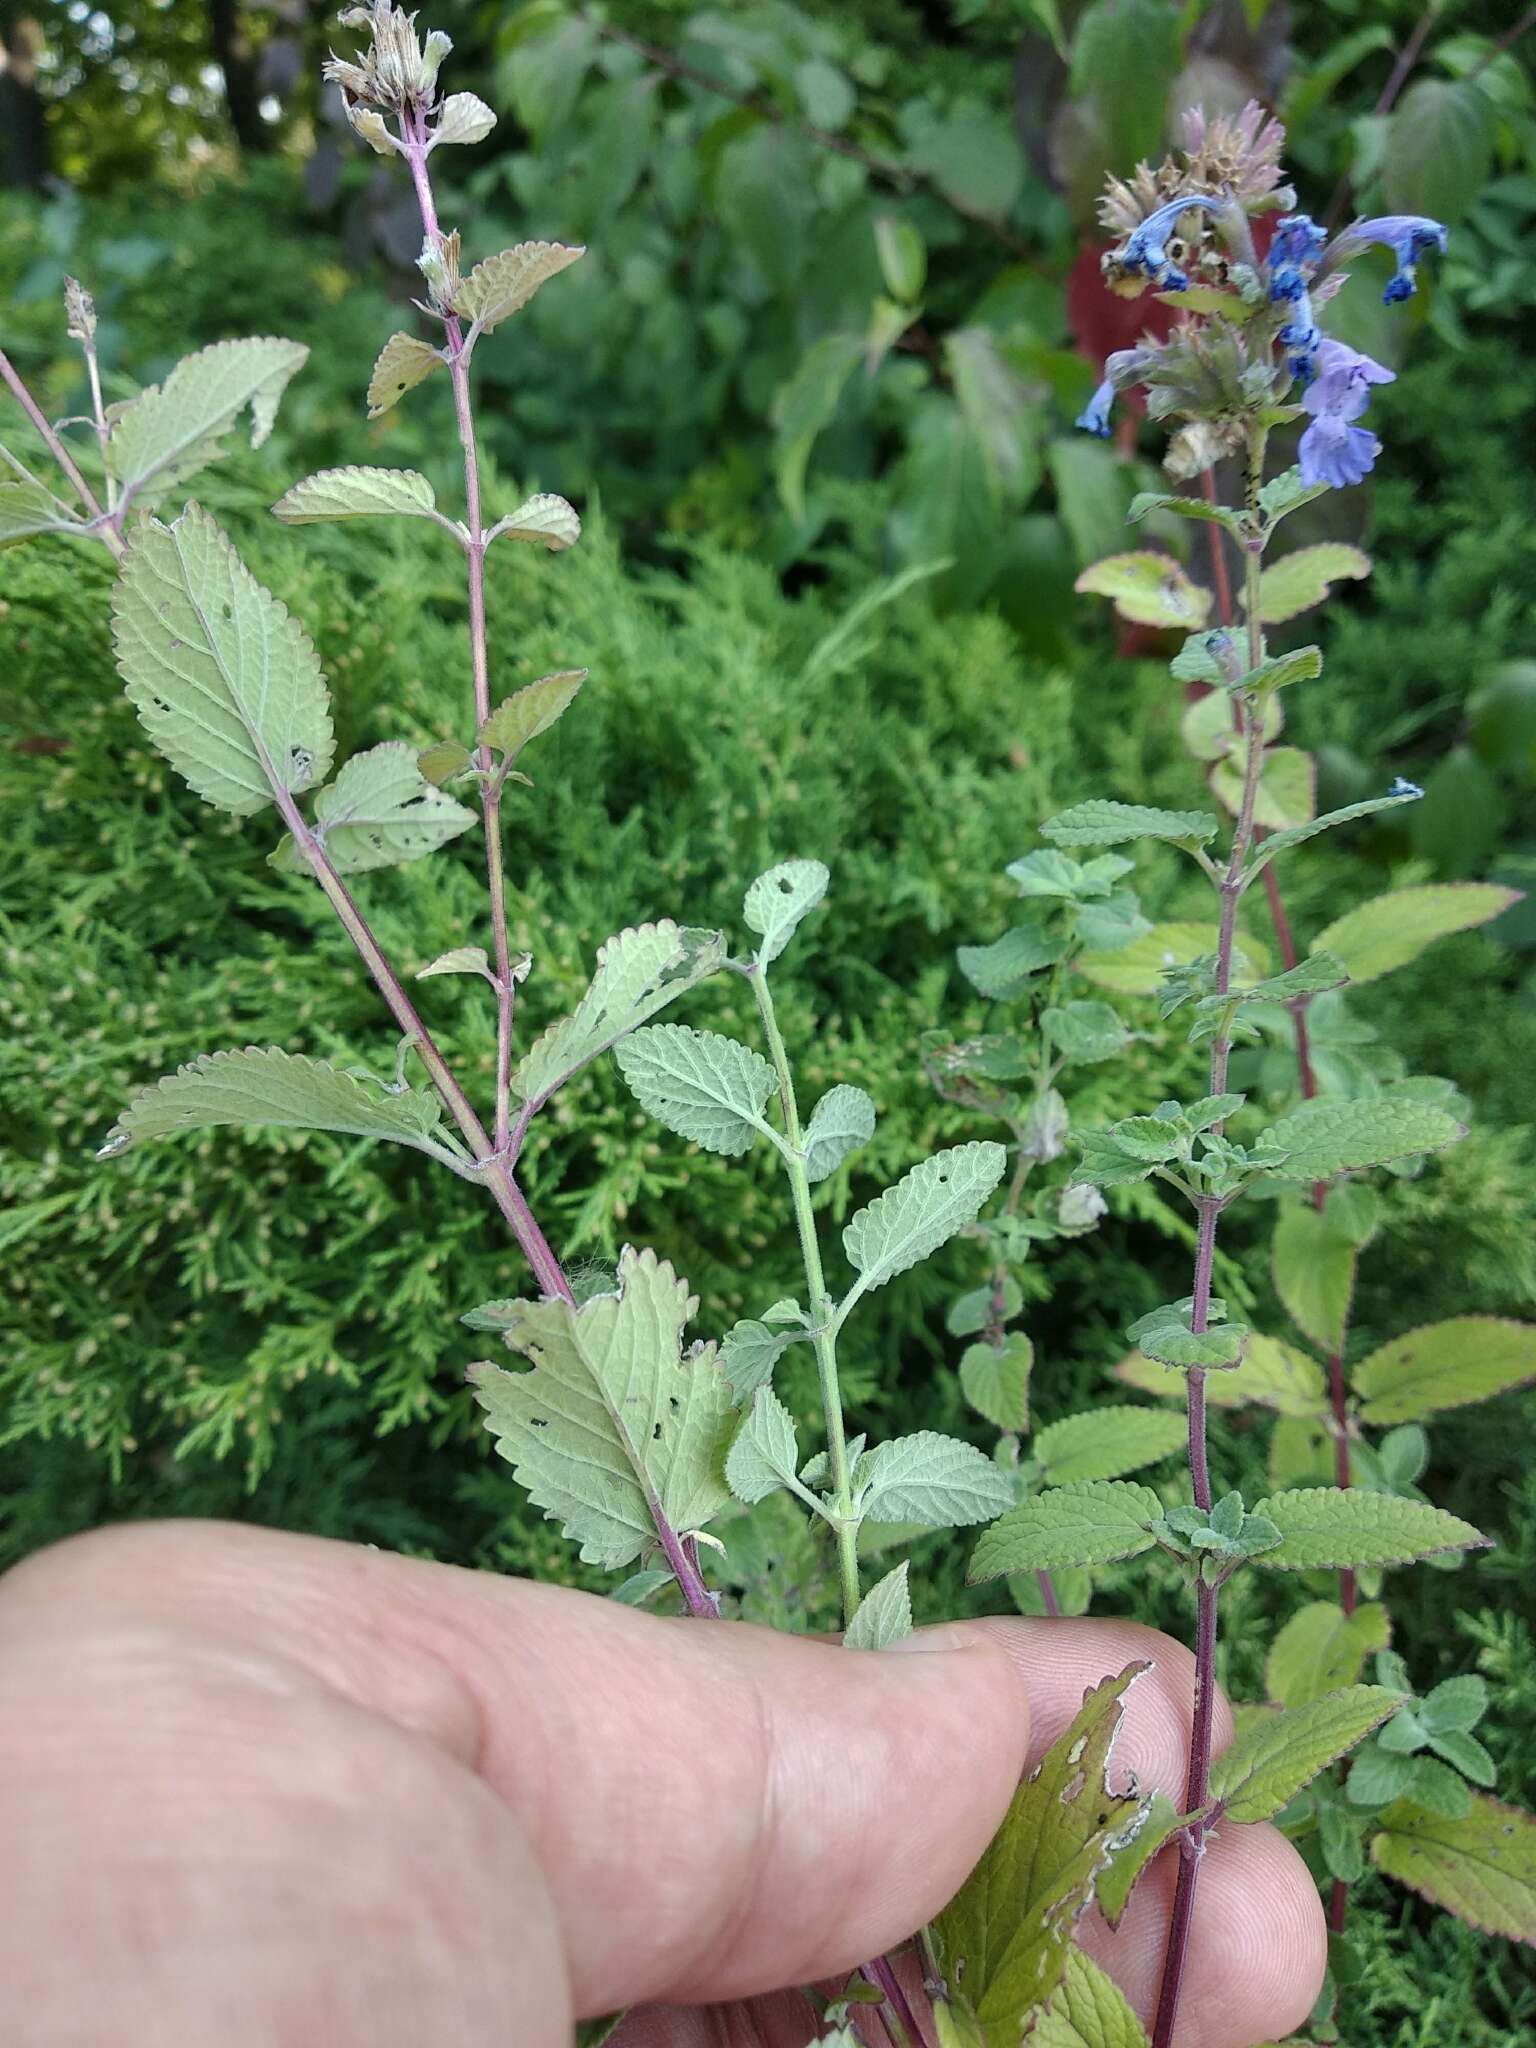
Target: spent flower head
<point>396,73</point>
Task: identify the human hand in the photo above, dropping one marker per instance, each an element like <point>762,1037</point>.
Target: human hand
<point>263,1791</point>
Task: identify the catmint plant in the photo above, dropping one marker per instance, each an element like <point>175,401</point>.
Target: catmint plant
<point>655,1450</point>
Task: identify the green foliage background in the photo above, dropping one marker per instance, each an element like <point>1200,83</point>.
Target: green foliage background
<point>267,1327</point>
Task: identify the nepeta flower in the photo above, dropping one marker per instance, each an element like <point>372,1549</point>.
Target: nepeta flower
<point>1145,248</point>
<point>1333,449</point>
<point>1402,787</point>
<point>1410,237</point>
<point>1125,366</point>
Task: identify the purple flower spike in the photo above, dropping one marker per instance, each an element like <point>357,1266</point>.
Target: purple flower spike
<point>1410,237</point>
<point>1333,450</point>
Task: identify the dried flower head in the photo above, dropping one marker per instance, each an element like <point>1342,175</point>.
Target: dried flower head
<point>396,73</point>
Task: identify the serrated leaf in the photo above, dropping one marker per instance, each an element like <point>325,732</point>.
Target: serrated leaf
<point>1286,492</point>
<point>444,759</point>
<point>1002,1943</point>
<point>1096,1522</point>
<point>923,1209</point>
<point>1482,1869</point>
<point>1276,1757</point>
<point>934,1480</point>
<point>1322,1648</point>
<point>765,1453</point>
<point>1314,1271</point>
<point>1456,1703</point>
<point>1087,1031</point>
<point>1304,578</point>
<point>995,1381</point>
<point>842,1120</point>
<point>1296,835</point>
<point>403,363</point>
<point>1326,1136</point>
<point>1138,969</point>
<point>262,1087</point>
<point>380,812</point>
<point>1100,821</point>
<point>172,430</point>
<point>1389,931</point>
<point>1444,1365</point>
<point>1112,1892</point>
<point>1148,589</point>
<point>1185,508</point>
<point>1164,1333</point>
<point>544,519</point>
<point>1104,1443</point>
<point>748,1353</point>
<point>884,1615</point>
<point>1466,1753</point>
<point>1271,1375</point>
<point>614,1422</point>
<point>1088,2009</point>
<point>457,960</point>
<point>705,1087</point>
<point>1300,665</point>
<point>27,509</point>
<point>779,899</point>
<point>356,494</point>
<point>462,118</point>
<point>529,712</point>
<point>1286,797</point>
<point>1003,969</point>
<point>1333,1528</point>
<point>638,972</point>
<point>225,681</point>
<point>502,285</point>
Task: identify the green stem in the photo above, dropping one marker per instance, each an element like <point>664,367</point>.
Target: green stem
<point>823,1334</point>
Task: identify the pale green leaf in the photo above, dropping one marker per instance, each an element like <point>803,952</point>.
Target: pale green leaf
<point>1186,508</point>
<point>1088,2008</point>
<point>806,404</point>
<point>765,1454</point>
<point>615,1424</point>
<point>27,509</point>
<point>443,760</point>
<point>903,257</point>
<point>1138,969</point>
<point>935,1480</point>
<point>748,1353</point>
<point>995,1380</point>
<point>1112,1893</point>
<point>1286,798</point>
<point>262,1087</point>
<point>1444,1365</point>
<point>1270,1375</point>
<point>379,812</point>
<point>842,1120</point>
<point>172,430</point>
<point>1003,969</point>
<point>1095,1522</point>
<point>1148,589</point>
<point>1314,1269</point>
<point>1321,1648</point>
<point>779,899</point>
<point>462,118</point>
<point>1164,1333</point>
<point>1104,1443</point>
<point>1304,578</point>
<point>1286,492</point>
<point>528,712</point>
<point>1482,1869</point>
<point>1332,1528</point>
<point>502,285</point>
<point>1100,821</point>
<point>1276,1756</point>
<point>884,1615</point>
<point>1388,931</point>
<point>921,1211</point>
<point>638,972</point>
<point>1002,1943</point>
<point>1438,148</point>
<point>707,1088</point>
<point>224,679</point>
<point>544,519</point>
<point>457,960</point>
<point>1295,835</point>
<point>356,494</point>
<point>403,363</point>
<point>1085,1031</point>
<point>1325,1136</point>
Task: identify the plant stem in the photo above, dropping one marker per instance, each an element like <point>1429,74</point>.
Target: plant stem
<point>1197,1778</point>
<point>823,1337</point>
<point>98,412</point>
<point>58,451</point>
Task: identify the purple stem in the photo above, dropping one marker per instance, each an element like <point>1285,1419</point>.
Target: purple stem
<point>57,450</point>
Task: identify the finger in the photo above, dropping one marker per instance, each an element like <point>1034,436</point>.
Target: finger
<point>1259,1946</point>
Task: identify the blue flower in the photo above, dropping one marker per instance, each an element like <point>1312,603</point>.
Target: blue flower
<point>1297,241</point>
<point>1410,236</point>
<point>1146,247</point>
<point>1333,449</point>
<point>1094,417</point>
<point>1124,366</point>
<point>1302,337</point>
<point>1402,788</point>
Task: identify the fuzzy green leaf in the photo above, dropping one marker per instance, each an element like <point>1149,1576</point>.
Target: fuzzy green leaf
<point>528,712</point>
<point>934,1480</point>
<point>765,1454</point>
<point>1324,1137</point>
<point>1275,1757</point>
<point>1444,1365</point>
<point>502,285</point>
<point>748,1353</point>
<point>379,812</point>
<point>1389,931</point>
<point>1103,1443</point>
<point>1088,2009</point>
<point>1482,1869</point>
<point>1286,798</point>
<point>995,1380</point>
<point>224,679</point>
<point>638,972</point>
<point>1002,1943</point>
<point>1003,969</point>
<point>1185,508</point>
<point>705,1087</point>
<point>921,1211</point>
<point>1087,1031</point>
<point>1286,492</point>
<point>884,1615</point>
<point>356,494</point>
<point>1295,835</point>
<point>1164,1334</point>
<point>1100,821</point>
<point>615,1422</point>
<point>1314,1269</point>
<point>261,1086</point>
<point>27,509</point>
<point>1271,1375</point>
<point>779,899</point>
<point>403,363</point>
<point>544,519</point>
<point>1300,580</point>
<point>457,960</point>
<point>1322,1648</point>
<point>1095,1522</point>
<point>1330,1528</point>
<point>1148,589</point>
<point>172,430</point>
<point>842,1121</point>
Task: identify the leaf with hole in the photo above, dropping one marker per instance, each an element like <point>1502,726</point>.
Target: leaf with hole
<point>779,899</point>
<point>920,1212</point>
<point>1148,589</point>
<point>707,1088</point>
<point>379,812</point>
<point>403,363</point>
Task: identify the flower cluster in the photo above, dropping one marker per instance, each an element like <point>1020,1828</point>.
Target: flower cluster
<point>397,74</point>
<point>1250,341</point>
